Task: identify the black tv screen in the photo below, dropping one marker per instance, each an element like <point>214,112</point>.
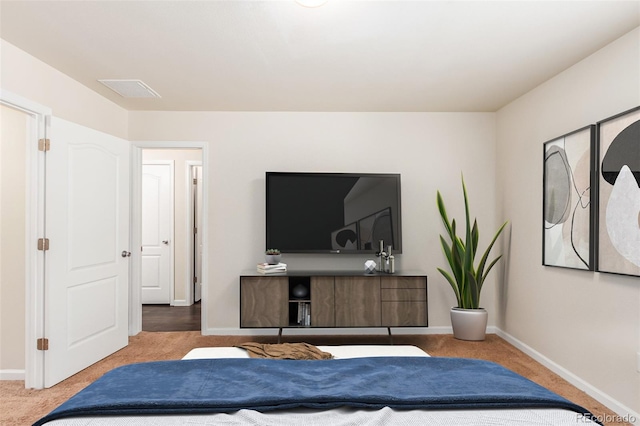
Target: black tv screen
<point>333,212</point>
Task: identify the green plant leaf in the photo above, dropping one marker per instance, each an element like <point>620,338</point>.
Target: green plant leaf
<point>474,292</point>
<point>484,257</point>
<point>443,215</point>
<point>453,284</point>
<point>465,280</point>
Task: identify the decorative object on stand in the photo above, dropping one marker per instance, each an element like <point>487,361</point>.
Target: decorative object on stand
<point>390,262</point>
<point>381,254</point>
<point>387,262</point>
<point>469,321</point>
<point>619,194</point>
<point>272,256</point>
<point>300,291</point>
<point>569,200</point>
<point>369,267</point>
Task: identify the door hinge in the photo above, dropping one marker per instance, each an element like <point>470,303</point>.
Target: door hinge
<point>195,280</point>
<point>195,181</point>
<point>43,244</point>
<point>42,344</point>
<point>195,230</point>
<point>44,144</point>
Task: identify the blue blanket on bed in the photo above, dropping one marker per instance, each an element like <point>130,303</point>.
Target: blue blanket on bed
<point>227,385</point>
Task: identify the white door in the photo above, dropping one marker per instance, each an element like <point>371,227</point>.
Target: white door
<point>197,220</point>
<point>86,265</point>
<point>157,232</point>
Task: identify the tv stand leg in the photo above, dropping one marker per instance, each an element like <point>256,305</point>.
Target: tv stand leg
<point>390,336</point>
<point>279,335</point>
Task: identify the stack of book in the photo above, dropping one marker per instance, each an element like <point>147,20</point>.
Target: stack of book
<point>267,268</point>
<point>304,314</point>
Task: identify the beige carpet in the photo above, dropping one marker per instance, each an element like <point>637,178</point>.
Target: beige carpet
<point>21,406</point>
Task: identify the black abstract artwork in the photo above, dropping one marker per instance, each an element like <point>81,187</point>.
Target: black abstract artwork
<point>619,194</point>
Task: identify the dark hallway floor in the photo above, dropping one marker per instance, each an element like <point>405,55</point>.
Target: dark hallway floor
<point>171,318</point>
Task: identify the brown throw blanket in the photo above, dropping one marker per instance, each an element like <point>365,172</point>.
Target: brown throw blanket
<point>284,351</point>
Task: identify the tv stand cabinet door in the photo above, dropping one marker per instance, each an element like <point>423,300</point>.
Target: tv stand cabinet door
<point>357,302</point>
<point>404,314</point>
<point>322,302</point>
<point>264,302</point>
<point>404,301</point>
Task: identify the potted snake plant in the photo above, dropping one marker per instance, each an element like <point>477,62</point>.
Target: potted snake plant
<point>468,319</point>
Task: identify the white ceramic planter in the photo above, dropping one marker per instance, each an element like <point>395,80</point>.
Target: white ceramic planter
<point>469,324</point>
<point>272,259</point>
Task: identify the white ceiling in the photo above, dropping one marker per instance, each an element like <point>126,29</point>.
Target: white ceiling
<point>344,56</point>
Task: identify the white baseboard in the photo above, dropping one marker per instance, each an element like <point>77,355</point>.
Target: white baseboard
<point>12,374</point>
<point>180,302</point>
<point>625,412</point>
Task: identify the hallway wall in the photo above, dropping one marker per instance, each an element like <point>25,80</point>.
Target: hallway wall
<point>13,146</point>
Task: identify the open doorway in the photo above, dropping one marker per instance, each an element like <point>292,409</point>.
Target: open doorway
<point>23,122</point>
<point>171,211</point>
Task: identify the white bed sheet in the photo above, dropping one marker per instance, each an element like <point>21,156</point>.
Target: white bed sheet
<point>339,352</point>
<point>346,417</point>
<point>341,416</point>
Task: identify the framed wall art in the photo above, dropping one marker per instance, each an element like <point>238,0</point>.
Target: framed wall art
<point>568,209</point>
<point>619,193</point>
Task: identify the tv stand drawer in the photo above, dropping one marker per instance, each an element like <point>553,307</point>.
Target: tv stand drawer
<point>403,294</point>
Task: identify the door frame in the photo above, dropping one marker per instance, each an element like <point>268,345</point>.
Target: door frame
<point>34,259</point>
<point>135,297</point>
<point>190,293</point>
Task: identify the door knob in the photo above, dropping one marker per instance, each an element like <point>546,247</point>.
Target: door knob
<point>126,253</point>
<point>165,242</point>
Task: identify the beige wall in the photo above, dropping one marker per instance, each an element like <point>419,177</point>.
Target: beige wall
<point>181,238</point>
<point>13,138</point>
<point>36,81</point>
<point>588,323</point>
<point>428,149</point>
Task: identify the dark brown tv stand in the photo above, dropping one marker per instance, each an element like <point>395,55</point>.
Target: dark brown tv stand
<point>337,299</point>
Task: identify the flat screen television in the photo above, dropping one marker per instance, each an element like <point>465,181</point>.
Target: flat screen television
<point>333,212</point>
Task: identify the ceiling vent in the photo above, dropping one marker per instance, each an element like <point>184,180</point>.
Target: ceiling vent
<point>130,88</point>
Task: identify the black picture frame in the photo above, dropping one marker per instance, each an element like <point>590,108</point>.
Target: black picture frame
<point>618,207</point>
<point>568,206</point>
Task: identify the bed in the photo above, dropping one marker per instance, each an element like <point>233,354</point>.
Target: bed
<point>363,384</point>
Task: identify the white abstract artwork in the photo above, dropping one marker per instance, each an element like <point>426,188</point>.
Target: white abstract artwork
<point>568,211</point>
